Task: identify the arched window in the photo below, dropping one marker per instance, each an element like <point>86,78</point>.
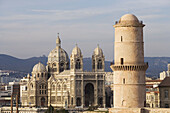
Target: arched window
<point>65,87</point>
<point>59,87</point>
<point>78,66</point>
<point>38,74</point>
<point>53,87</point>
<point>93,64</point>
<point>99,64</point>
<point>61,66</point>
<point>31,86</point>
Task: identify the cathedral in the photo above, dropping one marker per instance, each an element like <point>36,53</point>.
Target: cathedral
<point>63,83</point>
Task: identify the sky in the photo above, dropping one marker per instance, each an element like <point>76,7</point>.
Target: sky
<point>28,28</point>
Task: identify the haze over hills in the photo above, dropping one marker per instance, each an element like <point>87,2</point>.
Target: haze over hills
<point>156,64</point>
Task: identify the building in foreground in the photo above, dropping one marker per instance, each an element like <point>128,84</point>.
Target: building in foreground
<point>64,83</point>
<point>152,93</point>
<point>129,68</point>
<point>164,89</point>
<point>11,89</point>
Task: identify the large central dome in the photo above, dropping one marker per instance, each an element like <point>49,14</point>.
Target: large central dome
<point>53,56</point>
<point>58,59</point>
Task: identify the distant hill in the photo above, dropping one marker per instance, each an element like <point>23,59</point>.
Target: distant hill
<point>156,64</point>
<point>24,65</point>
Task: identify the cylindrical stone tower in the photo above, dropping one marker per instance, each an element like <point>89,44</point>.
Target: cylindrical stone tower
<point>129,67</point>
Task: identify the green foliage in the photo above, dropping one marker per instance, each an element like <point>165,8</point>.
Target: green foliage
<point>50,109</point>
<point>61,111</point>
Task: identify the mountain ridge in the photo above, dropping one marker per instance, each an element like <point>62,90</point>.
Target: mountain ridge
<point>7,62</point>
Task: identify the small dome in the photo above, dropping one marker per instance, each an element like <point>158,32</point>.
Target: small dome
<point>129,17</point>
<point>76,51</point>
<point>98,51</point>
<point>39,68</point>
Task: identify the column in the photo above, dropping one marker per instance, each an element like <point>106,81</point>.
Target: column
<point>104,98</point>
<point>82,91</point>
<point>96,92</point>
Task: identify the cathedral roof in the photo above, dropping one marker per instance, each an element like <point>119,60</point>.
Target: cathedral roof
<point>76,51</point>
<point>39,68</point>
<point>98,51</point>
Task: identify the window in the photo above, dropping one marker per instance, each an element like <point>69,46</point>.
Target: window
<point>121,61</point>
<point>123,80</point>
<point>99,64</point>
<point>42,89</point>
<point>121,39</point>
<point>59,98</point>
<point>78,66</point>
<point>93,64</point>
<point>59,87</point>
<point>31,86</point>
<point>166,105</point>
<point>61,67</point>
<point>166,94</point>
<point>53,87</point>
<point>38,74</point>
<point>65,87</point>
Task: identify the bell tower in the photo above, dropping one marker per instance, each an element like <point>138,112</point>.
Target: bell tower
<point>129,66</point>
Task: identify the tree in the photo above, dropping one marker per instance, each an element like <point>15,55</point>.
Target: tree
<point>50,109</point>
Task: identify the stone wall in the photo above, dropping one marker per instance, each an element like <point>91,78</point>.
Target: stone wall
<point>139,110</point>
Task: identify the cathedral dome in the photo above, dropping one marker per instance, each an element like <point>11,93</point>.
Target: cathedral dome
<point>76,51</point>
<point>39,68</point>
<point>54,54</point>
<point>128,18</point>
<point>98,51</point>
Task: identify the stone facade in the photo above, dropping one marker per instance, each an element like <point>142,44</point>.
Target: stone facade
<point>61,86</point>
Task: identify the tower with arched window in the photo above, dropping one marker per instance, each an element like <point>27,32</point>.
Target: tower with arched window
<point>98,59</point>
<point>76,59</point>
<point>37,86</point>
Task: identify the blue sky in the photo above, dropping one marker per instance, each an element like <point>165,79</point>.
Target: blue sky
<point>29,27</point>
